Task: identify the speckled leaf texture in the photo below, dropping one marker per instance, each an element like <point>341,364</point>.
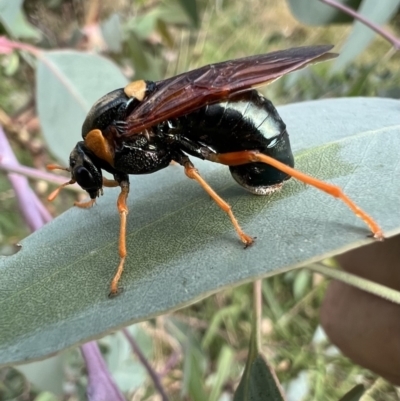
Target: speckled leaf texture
<point>182,247</point>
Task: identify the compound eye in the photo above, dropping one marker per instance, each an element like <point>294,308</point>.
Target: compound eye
<point>83,177</point>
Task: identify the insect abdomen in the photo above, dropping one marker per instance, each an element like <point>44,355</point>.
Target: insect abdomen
<point>247,121</point>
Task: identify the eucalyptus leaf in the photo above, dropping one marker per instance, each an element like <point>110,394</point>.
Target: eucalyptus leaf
<point>354,394</point>
<point>15,22</point>
<point>68,83</point>
<point>314,12</point>
<point>258,383</point>
<point>182,247</point>
<point>128,373</point>
<point>47,375</point>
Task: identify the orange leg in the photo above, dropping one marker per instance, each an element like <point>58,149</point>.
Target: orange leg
<point>192,173</point>
<point>238,158</point>
<point>123,212</point>
<point>106,183</point>
<point>85,204</point>
<point>55,193</point>
<point>110,183</point>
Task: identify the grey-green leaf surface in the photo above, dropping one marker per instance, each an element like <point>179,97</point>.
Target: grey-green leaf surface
<point>68,83</point>
<point>313,12</point>
<point>182,247</point>
<point>14,20</point>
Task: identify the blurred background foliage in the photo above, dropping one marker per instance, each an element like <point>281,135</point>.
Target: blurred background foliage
<point>200,351</point>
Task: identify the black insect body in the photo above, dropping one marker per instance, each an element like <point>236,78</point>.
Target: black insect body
<point>247,121</point>
<point>212,113</point>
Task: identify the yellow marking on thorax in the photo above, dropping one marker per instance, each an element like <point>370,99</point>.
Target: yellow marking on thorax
<point>136,89</point>
<point>99,145</point>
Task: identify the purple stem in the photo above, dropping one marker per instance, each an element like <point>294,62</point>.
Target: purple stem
<point>46,216</point>
<point>153,374</point>
<point>27,199</point>
<point>101,386</point>
<point>35,174</point>
<point>6,46</point>
<point>387,35</point>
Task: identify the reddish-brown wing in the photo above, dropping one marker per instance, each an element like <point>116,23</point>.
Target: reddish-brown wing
<point>191,90</point>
